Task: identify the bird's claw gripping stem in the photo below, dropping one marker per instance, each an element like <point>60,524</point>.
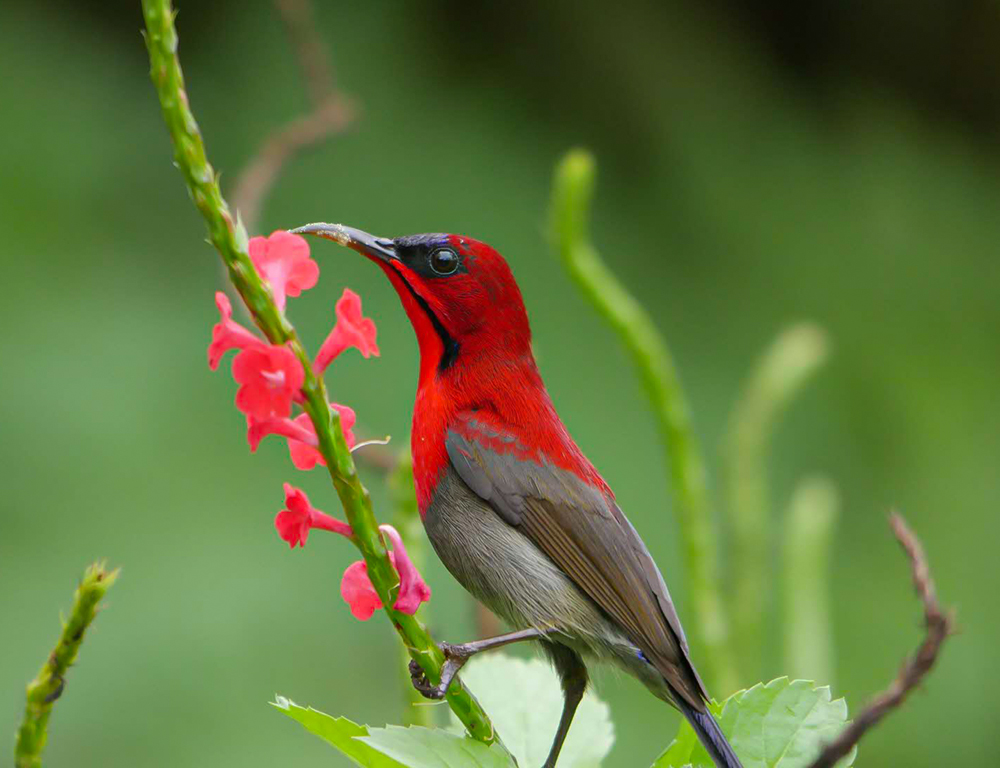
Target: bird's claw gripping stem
<point>455,657</point>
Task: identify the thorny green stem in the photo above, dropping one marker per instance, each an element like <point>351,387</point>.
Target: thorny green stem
<point>784,368</point>
<point>48,685</point>
<point>229,240</point>
<point>572,193</point>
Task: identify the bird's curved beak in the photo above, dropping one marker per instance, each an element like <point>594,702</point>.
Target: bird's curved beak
<point>380,248</point>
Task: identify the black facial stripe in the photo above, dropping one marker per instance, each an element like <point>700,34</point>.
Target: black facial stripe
<point>450,351</point>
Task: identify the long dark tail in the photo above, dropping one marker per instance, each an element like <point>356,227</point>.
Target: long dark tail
<point>710,735</point>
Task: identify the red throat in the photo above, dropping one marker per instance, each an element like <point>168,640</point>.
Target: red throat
<point>429,341</point>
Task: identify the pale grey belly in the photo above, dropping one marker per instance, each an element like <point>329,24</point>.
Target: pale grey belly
<point>503,569</point>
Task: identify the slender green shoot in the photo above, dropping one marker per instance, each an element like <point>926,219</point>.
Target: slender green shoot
<point>48,686</point>
<point>571,200</point>
<point>806,554</point>
<point>230,241</point>
<point>785,367</point>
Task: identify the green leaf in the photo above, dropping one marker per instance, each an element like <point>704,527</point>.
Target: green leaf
<point>418,747</point>
<point>783,724</point>
<point>524,699</point>
<point>338,731</point>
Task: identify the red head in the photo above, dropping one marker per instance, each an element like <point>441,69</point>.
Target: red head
<point>459,294</point>
<point>475,348</point>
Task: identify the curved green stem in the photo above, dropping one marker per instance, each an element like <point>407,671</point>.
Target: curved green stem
<point>572,193</point>
<point>229,240</point>
<point>778,376</point>
<point>48,685</point>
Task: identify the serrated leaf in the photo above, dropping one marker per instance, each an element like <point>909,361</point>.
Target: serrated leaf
<point>338,731</point>
<point>524,700</point>
<point>418,747</point>
<point>783,724</point>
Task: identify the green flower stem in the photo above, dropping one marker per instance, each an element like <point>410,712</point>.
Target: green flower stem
<point>230,241</point>
<point>806,554</point>
<point>573,190</point>
<point>406,520</point>
<point>779,375</point>
<point>48,686</point>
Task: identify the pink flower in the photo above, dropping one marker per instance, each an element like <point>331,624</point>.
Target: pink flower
<point>357,590</point>
<point>257,429</point>
<point>270,376</point>
<point>299,516</point>
<point>351,330</point>
<point>283,261</point>
<point>304,453</point>
<point>301,436</point>
<point>413,590</point>
<point>227,334</point>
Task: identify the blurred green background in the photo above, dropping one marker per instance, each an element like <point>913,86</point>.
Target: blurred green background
<point>760,163</point>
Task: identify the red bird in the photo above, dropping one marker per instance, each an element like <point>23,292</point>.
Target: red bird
<point>511,505</point>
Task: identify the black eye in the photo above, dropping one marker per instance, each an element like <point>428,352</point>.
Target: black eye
<point>444,261</point>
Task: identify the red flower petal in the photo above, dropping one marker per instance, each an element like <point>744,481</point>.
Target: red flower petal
<point>283,261</point>
<point>304,454</point>
<point>413,590</point>
<point>227,334</point>
<point>357,590</point>
<point>270,377</point>
<point>351,330</point>
<point>257,429</point>
<point>299,516</point>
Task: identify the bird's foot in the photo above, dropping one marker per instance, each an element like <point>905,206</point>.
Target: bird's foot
<point>455,657</point>
<point>424,686</point>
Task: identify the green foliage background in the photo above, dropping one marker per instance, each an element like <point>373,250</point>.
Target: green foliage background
<point>736,195</point>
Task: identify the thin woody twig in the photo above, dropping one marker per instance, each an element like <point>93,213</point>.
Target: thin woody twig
<point>299,21</point>
<point>939,626</point>
<point>331,113</point>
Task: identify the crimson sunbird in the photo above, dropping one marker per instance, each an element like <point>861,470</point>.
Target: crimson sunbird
<point>513,508</point>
